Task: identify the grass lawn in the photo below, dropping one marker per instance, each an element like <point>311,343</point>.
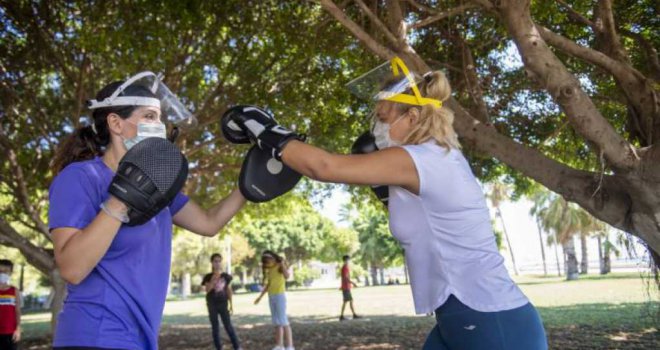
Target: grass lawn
<point>613,312</point>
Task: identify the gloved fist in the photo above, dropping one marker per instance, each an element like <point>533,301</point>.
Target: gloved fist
<point>244,124</point>
<point>366,143</point>
<point>148,178</point>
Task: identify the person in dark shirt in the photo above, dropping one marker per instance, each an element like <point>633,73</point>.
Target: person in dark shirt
<point>218,301</point>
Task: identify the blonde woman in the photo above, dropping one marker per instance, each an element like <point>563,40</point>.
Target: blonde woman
<point>437,210</point>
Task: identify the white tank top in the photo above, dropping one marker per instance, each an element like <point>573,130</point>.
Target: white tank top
<point>447,236</point>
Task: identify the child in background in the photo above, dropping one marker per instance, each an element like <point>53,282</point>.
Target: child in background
<point>346,284</point>
<point>219,302</point>
<point>10,308</point>
<point>275,274</point>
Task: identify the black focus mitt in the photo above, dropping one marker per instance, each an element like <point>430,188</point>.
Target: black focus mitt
<point>264,178</point>
<point>148,178</point>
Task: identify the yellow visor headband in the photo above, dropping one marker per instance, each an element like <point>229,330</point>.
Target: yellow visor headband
<point>398,67</point>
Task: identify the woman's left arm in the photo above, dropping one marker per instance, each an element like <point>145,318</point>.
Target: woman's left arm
<point>209,222</point>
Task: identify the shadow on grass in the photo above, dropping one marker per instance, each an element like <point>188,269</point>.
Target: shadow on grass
<point>585,326</point>
<point>540,279</point>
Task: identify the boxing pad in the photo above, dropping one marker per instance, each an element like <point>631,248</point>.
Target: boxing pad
<point>366,143</point>
<point>148,178</point>
<point>264,178</point>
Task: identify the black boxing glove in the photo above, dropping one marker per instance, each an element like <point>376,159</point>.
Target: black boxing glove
<point>244,124</point>
<point>366,143</point>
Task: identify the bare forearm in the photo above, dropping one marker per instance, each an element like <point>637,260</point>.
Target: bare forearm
<point>221,213</point>
<point>84,249</point>
<point>208,222</point>
<point>306,159</point>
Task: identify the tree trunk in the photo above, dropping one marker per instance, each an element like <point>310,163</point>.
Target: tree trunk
<point>405,272</point>
<point>601,260</point>
<point>59,288</point>
<point>545,266</point>
<point>584,263</point>
<point>557,258</point>
<point>508,242</point>
<point>374,275</point>
<point>571,260</point>
<point>382,276</point>
<point>607,263</point>
<point>185,285</point>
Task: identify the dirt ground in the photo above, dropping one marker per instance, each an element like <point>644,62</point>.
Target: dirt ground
<point>379,333</point>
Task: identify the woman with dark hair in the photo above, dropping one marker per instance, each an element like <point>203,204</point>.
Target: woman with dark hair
<point>276,271</point>
<point>217,285</point>
<point>109,304</point>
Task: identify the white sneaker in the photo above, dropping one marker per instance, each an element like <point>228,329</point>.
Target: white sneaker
<point>290,348</point>
<point>278,348</point>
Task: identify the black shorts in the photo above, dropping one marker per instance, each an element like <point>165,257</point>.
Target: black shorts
<point>347,295</point>
<point>6,342</point>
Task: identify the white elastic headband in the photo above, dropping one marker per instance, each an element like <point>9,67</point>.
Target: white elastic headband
<point>116,100</point>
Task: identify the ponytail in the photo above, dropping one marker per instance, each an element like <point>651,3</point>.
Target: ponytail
<point>434,122</point>
<point>83,144</point>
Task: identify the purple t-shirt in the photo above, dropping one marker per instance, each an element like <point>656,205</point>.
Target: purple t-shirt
<point>120,303</point>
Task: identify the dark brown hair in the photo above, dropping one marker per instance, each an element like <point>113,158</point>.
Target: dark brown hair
<point>85,143</point>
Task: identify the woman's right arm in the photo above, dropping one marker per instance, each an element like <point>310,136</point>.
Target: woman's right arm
<point>391,166</point>
<point>77,251</point>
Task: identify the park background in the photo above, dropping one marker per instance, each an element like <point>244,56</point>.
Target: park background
<point>559,129</point>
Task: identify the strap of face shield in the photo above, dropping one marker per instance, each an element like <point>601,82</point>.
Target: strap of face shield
<point>416,99</point>
<point>115,100</point>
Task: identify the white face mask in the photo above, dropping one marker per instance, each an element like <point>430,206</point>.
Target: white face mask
<point>146,130</point>
<point>382,134</point>
<point>4,278</point>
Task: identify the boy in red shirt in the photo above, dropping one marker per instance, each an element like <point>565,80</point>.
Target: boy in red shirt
<point>346,287</point>
<point>10,309</point>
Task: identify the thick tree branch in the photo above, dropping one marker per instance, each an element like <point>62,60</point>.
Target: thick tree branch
<point>422,7</point>
<point>638,90</point>
<point>564,87</point>
<point>397,22</point>
<point>380,50</point>
<point>442,15</point>
<point>36,256</point>
<point>606,34</point>
<point>20,190</point>
<point>472,80</point>
<point>378,23</point>
<point>574,15</point>
<point>649,50</point>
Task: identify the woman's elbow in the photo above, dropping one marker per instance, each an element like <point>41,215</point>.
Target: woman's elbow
<point>320,170</point>
<point>72,276</point>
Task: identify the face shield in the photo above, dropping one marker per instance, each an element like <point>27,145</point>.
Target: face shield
<point>391,81</point>
<point>172,110</point>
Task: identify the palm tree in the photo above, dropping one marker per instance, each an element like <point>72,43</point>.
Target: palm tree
<point>498,194</point>
<point>539,198</point>
<point>565,221</point>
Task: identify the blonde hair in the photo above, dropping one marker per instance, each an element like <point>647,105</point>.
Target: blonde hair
<point>433,122</point>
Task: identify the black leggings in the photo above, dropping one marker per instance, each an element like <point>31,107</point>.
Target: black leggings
<point>222,309</point>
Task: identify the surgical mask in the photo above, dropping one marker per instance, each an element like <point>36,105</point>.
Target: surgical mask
<point>146,130</point>
<point>382,134</point>
<point>4,278</point>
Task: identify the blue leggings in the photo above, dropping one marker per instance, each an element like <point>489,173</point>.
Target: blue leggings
<point>460,327</point>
